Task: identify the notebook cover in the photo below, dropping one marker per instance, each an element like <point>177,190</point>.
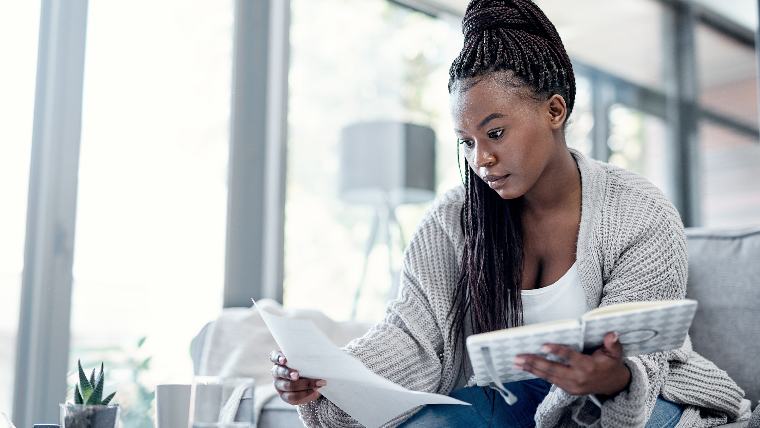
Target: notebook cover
<point>504,345</point>
<point>643,331</point>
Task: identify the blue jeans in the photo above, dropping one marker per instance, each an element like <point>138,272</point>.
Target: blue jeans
<point>489,409</point>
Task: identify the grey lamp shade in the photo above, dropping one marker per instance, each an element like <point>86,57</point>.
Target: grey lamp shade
<point>387,162</point>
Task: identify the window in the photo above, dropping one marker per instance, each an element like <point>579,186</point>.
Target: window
<point>592,32</point>
<point>394,66</point>
<point>638,143</point>
<point>727,72</point>
<point>743,12</point>
<point>150,233</point>
<point>730,173</point>
<point>578,132</point>
<point>19,27</point>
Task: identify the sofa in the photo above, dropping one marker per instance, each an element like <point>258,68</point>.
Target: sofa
<point>724,277</point>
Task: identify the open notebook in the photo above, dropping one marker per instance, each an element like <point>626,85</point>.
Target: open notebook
<point>644,327</point>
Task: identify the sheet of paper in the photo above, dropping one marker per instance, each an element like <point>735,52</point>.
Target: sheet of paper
<point>368,397</point>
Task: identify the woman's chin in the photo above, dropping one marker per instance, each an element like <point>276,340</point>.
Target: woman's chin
<point>507,193</point>
<point>505,188</point>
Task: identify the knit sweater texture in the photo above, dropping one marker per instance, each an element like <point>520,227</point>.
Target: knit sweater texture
<point>630,247</point>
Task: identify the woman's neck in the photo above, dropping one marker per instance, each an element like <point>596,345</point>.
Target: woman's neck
<point>557,189</point>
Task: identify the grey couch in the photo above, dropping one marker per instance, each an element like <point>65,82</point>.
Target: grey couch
<point>724,276</point>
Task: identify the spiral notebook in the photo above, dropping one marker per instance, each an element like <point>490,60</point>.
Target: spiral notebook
<point>644,327</point>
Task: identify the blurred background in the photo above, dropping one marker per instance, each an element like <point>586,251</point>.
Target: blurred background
<point>161,160</point>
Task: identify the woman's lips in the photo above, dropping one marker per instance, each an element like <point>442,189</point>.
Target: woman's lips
<point>496,182</point>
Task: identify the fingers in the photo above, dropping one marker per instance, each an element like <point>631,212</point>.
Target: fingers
<point>284,372</point>
<point>570,356</point>
<point>543,368</point>
<point>582,373</point>
<point>612,345</point>
<point>277,357</point>
<point>303,384</point>
<point>296,398</point>
<point>292,388</point>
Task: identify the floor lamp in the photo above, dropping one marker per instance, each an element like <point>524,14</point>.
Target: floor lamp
<point>385,164</point>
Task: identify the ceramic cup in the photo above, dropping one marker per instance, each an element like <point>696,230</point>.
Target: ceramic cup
<point>172,405</point>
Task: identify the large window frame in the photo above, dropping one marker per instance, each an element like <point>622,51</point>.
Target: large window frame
<point>44,316</point>
<point>255,195</point>
<point>255,229</point>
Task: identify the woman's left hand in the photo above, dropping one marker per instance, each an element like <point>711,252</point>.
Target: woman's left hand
<point>602,372</point>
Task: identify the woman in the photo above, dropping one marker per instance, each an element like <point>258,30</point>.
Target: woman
<point>538,232</point>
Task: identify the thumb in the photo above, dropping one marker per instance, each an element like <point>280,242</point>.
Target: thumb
<point>612,346</point>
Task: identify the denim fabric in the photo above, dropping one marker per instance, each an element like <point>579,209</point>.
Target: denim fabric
<point>665,414</point>
<point>489,409</point>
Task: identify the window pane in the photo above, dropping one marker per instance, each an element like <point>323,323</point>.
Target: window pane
<point>592,32</point>
<point>727,72</point>
<point>743,12</point>
<point>394,66</point>
<point>149,256</point>
<point>729,173</point>
<point>638,142</point>
<point>578,132</point>
<point>19,26</point>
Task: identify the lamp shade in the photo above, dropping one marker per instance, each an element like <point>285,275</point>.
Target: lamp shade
<point>387,162</point>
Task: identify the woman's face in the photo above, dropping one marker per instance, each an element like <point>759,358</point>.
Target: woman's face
<point>507,137</point>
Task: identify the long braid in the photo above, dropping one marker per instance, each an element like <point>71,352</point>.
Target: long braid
<point>516,38</point>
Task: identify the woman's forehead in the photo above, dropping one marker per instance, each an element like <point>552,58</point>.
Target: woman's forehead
<point>487,96</point>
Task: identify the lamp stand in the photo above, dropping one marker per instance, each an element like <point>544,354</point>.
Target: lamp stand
<point>384,218</point>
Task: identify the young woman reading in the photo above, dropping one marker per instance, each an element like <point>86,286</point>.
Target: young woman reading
<point>536,232</point>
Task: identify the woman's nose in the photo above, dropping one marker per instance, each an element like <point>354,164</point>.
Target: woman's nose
<point>483,157</point>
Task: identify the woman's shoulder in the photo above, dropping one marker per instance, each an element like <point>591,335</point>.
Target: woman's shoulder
<point>443,218</point>
<point>629,196</point>
<point>629,208</point>
<point>446,210</point>
<point>435,247</point>
<point>449,201</point>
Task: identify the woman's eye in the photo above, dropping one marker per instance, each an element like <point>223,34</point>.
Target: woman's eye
<point>467,143</point>
<point>495,134</point>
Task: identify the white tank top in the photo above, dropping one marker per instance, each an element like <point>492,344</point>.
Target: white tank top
<point>561,300</point>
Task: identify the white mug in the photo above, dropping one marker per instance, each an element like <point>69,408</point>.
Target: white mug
<point>172,405</point>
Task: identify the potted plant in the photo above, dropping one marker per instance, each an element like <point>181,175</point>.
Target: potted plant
<point>90,409</point>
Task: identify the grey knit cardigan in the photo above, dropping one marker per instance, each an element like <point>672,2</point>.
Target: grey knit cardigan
<point>631,247</point>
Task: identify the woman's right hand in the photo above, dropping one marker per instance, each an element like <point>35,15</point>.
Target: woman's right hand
<point>292,388</point>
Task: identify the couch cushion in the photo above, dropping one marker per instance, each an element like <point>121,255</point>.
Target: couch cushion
<point>724,276</point>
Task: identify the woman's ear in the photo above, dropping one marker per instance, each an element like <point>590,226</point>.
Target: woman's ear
<point>557,111</point>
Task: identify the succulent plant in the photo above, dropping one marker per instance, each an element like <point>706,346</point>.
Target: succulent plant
<point>90,391</point>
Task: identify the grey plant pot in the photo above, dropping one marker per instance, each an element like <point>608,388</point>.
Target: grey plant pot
<point>82,416</point>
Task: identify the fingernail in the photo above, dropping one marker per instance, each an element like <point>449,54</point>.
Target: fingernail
<point>294,375</point>
<point>545,349</point>
<point>321,383</point>
<point>519,360</point>
<point>616,336</point>
<point>281,359</point>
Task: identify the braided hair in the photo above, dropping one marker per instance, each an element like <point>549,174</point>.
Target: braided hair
<point>513,41</point>
<point>514,36</point>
